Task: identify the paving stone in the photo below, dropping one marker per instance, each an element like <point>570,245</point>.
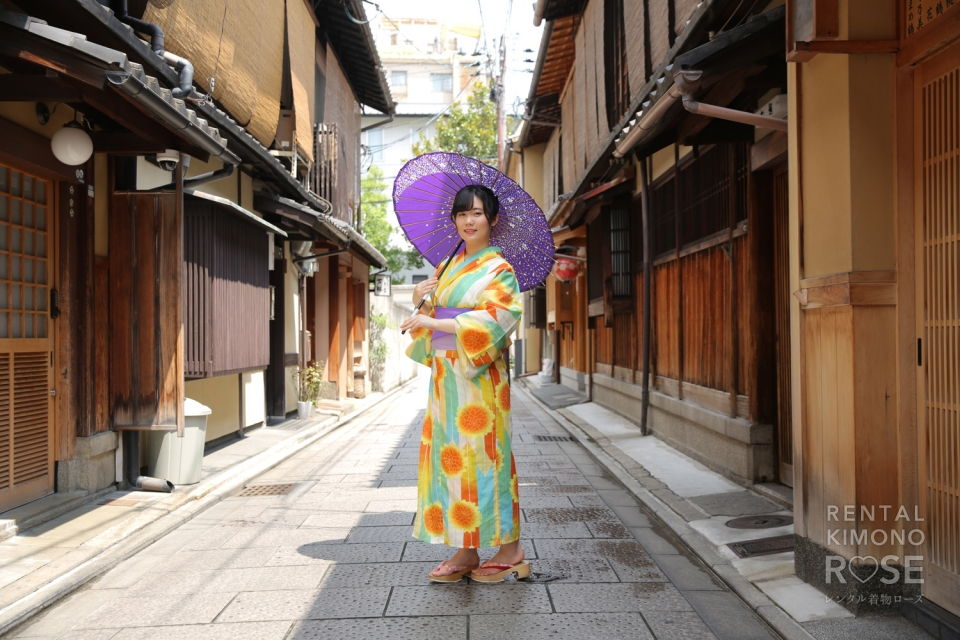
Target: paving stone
<point>228,631</point>
<point>577,514</point>
<point>653,540</point>
<point>678,625</point>
<point>386,574</point>
<point>686,574</point>
<point>627,557</point>
<point>367,602</point>
<point>555,490</point>
<point>380,534</point>
<point>86,634</point>
<point>576,569</point>
<point>358,519</point>
<point>283,537</point>
<point>537,502</point>
<point>735,503</point>
<point>171,609</point>
<point>219,559</point>
<point>460,599</point>
<point>608,530</point>
<point>623,626</point>
<point>325,553</point>
<point>548,530</point>
<point>395,482</point>
<point>724,614</point>
<point>575,479</point>
<point>632,516</point>
<point>435,628</point>
<point>251,579</point>
<point>640,596</point>
<point>524,480</point>
<point>54,623</point>
<point>587,500</point>
<point>384,506</point>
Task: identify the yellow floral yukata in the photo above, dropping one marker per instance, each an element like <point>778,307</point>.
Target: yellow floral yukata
<point>467,481</point>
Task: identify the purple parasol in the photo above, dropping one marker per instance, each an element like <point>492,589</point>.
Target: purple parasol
<point>423,196</point>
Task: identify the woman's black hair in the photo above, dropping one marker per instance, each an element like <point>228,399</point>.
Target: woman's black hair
<point>464,201</point>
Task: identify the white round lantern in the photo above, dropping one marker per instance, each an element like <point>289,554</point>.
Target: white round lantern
<point>71,145</point>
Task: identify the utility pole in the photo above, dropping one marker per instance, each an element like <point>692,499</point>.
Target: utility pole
<point>501,120</point>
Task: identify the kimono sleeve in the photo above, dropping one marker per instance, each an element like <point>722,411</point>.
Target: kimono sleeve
<point>420,349</point>
<point>482,334</point>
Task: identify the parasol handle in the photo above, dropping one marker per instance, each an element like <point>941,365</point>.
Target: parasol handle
<point>439,275</point>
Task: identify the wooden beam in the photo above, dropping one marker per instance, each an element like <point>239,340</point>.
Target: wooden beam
<point>35,88</point>
<point>845,47</point>
<point>769,151</point>
<point>24,148</point>
<point>16,43</point>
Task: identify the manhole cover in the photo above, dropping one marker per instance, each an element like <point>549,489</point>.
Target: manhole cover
<point>554,439</point>
<point>759,522</point>
<point>266,490</point>
<point>763,546</point>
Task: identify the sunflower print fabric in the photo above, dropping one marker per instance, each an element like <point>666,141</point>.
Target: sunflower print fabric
<point>467,480</point>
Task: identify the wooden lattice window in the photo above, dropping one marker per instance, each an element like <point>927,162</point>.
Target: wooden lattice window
<point>713,191</point>
<point>663,213</point>
<point>620,251</point>
<point>538,308</point>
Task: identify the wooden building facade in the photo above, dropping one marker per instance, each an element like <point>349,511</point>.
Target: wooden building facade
<point>143,274</point>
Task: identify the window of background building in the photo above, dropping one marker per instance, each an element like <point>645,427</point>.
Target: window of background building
<point>393,38</point>
<point>375,144</point>
<point>442,82</point>
<point>398,79</point>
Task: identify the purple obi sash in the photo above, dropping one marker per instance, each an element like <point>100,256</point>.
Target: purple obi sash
<point>443,341</point>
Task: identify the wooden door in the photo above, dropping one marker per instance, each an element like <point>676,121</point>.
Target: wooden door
<point>937,171</point>
<point>26,337</point>
<point>781,285</point>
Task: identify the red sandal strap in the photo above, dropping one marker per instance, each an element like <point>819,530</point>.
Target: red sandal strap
<point>500,567</point>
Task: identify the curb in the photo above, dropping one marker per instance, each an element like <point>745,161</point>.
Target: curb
<point>138,532</point>
<point>768,611</point>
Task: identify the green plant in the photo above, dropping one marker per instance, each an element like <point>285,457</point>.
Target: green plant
<point>378,349</point>
<point>308,381</point>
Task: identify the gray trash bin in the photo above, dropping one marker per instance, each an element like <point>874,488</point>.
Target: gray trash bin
<point>177,459</point>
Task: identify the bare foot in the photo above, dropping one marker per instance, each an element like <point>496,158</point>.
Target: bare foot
<point>510,553</point>
<point>462,559</point>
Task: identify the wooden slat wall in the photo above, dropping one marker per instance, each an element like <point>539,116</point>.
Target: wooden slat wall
<point>568,141</point>
<point>665,320</point>
<point>146,365</point>
<point>6,439</point>
<point>625,339</point>
<point>742,268</point>
<point>706,281</point>
<point>596,35</point>
<point>633,19</point>
<point>102,344</point>
<point>551,160</point>
<point>604,343</point>
<point>30,416</point>
<point>226,293</point>
<point>781,238</point>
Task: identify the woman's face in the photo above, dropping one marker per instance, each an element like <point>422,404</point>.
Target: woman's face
<point>472,225</point>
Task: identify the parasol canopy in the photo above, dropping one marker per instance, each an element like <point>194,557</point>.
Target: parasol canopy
<point>423,196</point>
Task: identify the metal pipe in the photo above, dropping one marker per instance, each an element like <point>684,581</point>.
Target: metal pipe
<point>224,172</point>
<point>645,221</point>
<point>379,123</point>
<point>688,82</point>
<point>185,69</point>
<point>313,256</point>
<point>131,464</point>
<point>156,33</point>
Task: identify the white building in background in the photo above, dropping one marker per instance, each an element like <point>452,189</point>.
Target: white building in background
<point>429,65</point>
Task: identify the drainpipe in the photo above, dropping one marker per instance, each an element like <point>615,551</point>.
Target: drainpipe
<point>131,464</point>
<point>312,256</point>
<point>645,221</point>
<point>225,172</point>
<point>185,69</point>
<point>378,124</point>
<point>156,33</point>
<point>538,12</point>
<point>687,82</point>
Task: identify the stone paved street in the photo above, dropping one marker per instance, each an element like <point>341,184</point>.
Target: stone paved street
<point>335,557</point>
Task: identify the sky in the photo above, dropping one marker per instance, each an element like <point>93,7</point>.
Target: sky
<point>513,17</point>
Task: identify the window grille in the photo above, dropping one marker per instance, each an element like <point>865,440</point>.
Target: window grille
<point>620,251</point>
<point>714,191</point>
<point>664,211</point>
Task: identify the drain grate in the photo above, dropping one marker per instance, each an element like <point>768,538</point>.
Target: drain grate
<point>763,546</point>
<point>760,522</point>
<point>266,490</point>
<point>554,439</point>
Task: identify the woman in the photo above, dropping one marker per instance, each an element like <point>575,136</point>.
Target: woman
<point>467,481</point>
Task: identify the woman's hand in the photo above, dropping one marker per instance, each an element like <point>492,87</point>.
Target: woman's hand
<point>419,321</point>
<point>423,288</point>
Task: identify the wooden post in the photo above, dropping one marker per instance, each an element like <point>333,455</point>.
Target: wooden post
<point>678,226</point>
<point>333,294</point>
<point>348,350</point>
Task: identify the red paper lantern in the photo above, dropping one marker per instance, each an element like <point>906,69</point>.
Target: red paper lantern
<point>566,269</point>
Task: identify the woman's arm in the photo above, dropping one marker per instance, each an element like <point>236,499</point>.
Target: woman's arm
<point>426,322</point>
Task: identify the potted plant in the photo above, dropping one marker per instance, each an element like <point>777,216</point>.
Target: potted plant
<point>307,381</point>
